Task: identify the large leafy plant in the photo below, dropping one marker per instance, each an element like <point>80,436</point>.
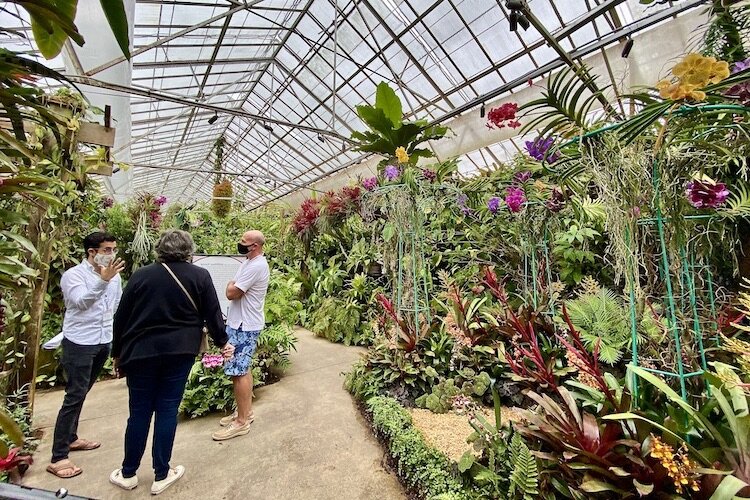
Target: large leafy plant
<point>717,433</point>
<point>388,131</point>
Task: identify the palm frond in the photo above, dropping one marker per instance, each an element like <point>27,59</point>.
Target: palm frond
<point>738,203</point>
<point>602,322</point>
<point>565,105</point>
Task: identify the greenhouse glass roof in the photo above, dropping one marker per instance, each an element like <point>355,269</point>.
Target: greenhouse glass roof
<point>284,77</point>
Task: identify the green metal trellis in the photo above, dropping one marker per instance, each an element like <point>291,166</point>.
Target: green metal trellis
<point>681,299</point>
<point>413,274</point>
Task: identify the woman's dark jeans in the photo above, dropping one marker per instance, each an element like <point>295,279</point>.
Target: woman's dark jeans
<point>155,386</point>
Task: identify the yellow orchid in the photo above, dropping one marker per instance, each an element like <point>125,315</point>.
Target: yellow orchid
<point>693,73</point>
<point>401,155</point>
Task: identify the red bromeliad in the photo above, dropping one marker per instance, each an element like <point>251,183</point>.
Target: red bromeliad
<point>526,341</point>
<point>408,336</point>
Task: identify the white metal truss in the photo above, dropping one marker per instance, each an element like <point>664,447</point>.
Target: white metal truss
<point>280,79</point>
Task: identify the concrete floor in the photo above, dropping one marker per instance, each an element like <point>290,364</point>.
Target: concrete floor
<point>308,441</point>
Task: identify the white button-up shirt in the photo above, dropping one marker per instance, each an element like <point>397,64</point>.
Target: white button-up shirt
<point>90,304</point>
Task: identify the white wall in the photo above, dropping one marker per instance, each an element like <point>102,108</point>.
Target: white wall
<point>101,47</point>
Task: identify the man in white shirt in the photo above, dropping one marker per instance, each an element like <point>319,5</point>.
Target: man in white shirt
<point>92,292</point>
<point>245,320</point>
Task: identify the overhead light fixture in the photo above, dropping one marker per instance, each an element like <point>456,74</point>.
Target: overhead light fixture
<point>321,138</point>
<point>516,15</point>
<point>213,119</point>
<point>482,111</point>
<point>513,20</point>
<point>268,127</point>
<point>523,21</point>
<point>627,48</point>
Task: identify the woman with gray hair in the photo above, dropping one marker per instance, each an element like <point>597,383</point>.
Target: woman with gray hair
<point>157,335</point>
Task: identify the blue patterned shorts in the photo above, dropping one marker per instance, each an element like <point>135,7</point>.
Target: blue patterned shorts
<point>244,347</point>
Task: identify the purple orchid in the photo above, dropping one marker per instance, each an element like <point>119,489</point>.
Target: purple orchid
<point>706,194</point>
<point>391,172</point>
<point>522,177</point>
<point>741,91</point>
<point>370,183</point>
<point>741,66</point>
<point>538,149</point>
<point>515,198</point>
<point>429,174</point>
<point>493,204</point>
<point>160,200</point>
<point>556,201</point>
<point>461,202</point>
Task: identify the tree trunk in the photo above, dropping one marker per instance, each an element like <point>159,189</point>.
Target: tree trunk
<point>41,236</point>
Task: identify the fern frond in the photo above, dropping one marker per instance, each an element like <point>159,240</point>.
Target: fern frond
<point>589,209</point>
<point>524,479</point>
<point>738,204</point>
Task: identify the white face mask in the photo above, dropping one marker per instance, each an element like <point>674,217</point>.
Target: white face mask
<point>103,260</point>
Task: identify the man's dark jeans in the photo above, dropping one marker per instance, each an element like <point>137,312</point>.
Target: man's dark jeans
<point>155,386</point>
<point>82,364</point>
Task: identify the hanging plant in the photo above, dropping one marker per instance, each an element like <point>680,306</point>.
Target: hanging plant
<point>221,203</point>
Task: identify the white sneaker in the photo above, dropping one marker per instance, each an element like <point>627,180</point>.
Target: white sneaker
<point>126,483</point>
<point>172,476</point>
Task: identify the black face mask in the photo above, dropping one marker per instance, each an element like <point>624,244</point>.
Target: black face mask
<point>242,249</point>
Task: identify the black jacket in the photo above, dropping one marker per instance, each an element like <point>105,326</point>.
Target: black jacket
<point>156,319</point>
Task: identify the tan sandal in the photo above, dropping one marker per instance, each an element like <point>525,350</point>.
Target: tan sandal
<point>64,469</point>
<point>84,445</point>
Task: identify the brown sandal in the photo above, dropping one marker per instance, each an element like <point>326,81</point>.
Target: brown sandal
<point>59,469</point>
<point>84,445</point>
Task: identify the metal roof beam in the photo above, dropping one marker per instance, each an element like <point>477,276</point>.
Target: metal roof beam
<point>166,39</point>
<point>521,80</point>
<point>189,102</point>
<point>200,62</point>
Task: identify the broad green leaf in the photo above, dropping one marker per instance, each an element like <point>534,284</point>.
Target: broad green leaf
<point>467,460</point>
<point>728,488</point>
<point>643,489</point>
<point>704,422</point>
<point>9,217</point>
<point>118,21</point>
<point>50,31</point>
<point>634,416</point>
<point>595,486</point>
<point>387,101</point>
<point>376,120</point>
<point>11,428</point>
<point>20,240</point>
<point>388,232</point>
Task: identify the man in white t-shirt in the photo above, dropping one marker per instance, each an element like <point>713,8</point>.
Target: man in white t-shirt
<point>245,320</point>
